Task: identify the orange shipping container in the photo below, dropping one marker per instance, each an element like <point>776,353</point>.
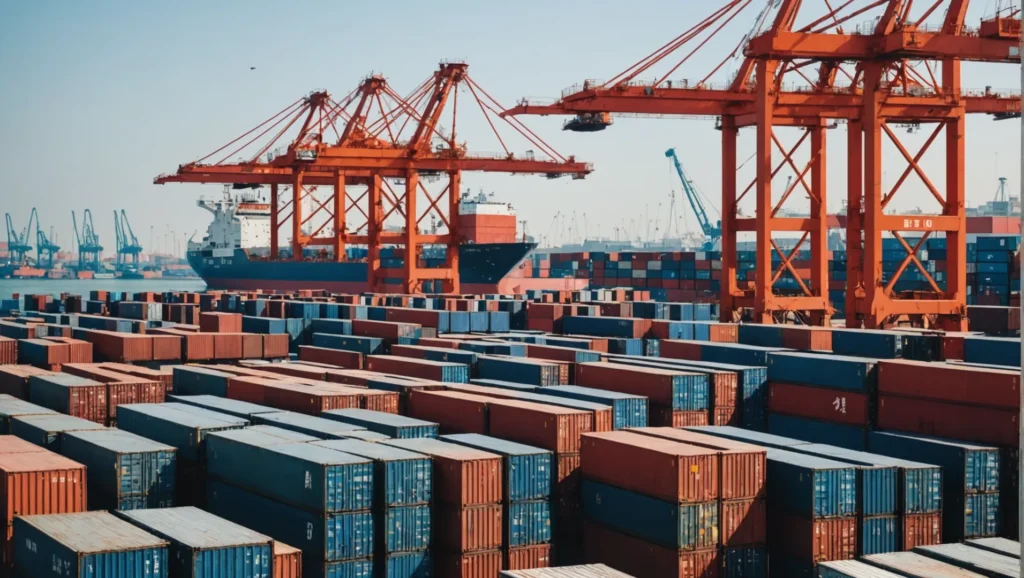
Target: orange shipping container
<point>8,351</point>
<point>527,557</point>
<point>40,483</point>
<point>275,346</point>
<point>820,540</point>
<point>217,322</point>
<point>467,528</point>
<point>687,473</point>
<point>252,346</point>
<point>336,357</point>
<point>454,412</point>
<point>310,400</point>
<point>921,530</point>
<point>643,559</point>
<point>553,428</point>
<point>227,346</point>
<point>661,416</point>
<point>472,565</point>
<point>287,562</point>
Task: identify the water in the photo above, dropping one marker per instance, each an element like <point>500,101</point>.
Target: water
<point>82,286</point>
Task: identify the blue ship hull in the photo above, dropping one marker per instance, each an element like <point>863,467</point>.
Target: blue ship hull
<point>482,268</point>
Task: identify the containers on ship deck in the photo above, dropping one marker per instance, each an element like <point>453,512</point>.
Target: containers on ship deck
<point>125,471</point>
<point>201,543</point>
<point>81,544</point>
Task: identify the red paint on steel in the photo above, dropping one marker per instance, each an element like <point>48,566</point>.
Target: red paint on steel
<point>227,346</point>
<point>14,379</point>
<point>275,346</point>
<point>837,406</point>
<point>40,483</point>
<point>8,351</point>
<point>921,530</point>
<point>553,428</point>
<point>14,445</point>
<point>970,423</point>
<point>728,415</point>
<point>643,559</point>
<point>743,522</point>
<point>685,473</point>
<point>821,540</point>
<point>454,412</point>
<point>472,565</point>
<point>467,528</point>
<point>526,557</point>
<point>653,383</point>
<point>287,561</point>
<point>807,338</point>
<point>681,349</point>
<point>217,322</point>
<point>662,416</point>
<point>408,366</point>
<point>963,384</point>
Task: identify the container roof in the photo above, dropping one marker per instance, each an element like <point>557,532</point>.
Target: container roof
<point>494,445</point>
<point>380,417</point>
<point>94,532</point>
<point>194,527</point>
<point>369,450</point>
<point>120,441</point>
<point>438,448</point>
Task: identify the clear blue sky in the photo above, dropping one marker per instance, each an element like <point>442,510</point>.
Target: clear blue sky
<point>99,97</point>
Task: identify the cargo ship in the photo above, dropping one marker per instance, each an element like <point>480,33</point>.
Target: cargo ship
<point>234,252</point>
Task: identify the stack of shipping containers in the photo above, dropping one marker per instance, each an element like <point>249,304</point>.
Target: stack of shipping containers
<point>467,507</point>
<point>314,498</point>
<point>526,502</point>
<point>650,525</point>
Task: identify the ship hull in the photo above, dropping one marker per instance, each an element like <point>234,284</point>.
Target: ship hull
<point>483,268</point>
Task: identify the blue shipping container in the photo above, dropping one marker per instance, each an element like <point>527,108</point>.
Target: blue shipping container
<point>878,344</point>
<point>878,535</point>
<point>527,523</point>
<point>191,380</point>
<point>232,407</point>
<point>810,486</point>
<point>405,565</point>
<point>184,430</point>
<point>745,562</point>
<point>81,544</point>
<point>300,474</point>
<point>527,474</point>
<point>838,371</point>
<point>203,545</point>
<point>120,464</point>
<point>400,477</point>
<point>844,436</point>
<point>687,527</point>
<point>627,410</point>
<point>392,425</point>
<point>48,430</point>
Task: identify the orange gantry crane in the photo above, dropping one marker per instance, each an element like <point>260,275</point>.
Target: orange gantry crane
<point>807,73</point>
<point>384,149</point>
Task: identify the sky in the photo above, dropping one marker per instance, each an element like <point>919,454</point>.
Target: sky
<point>100,97</point>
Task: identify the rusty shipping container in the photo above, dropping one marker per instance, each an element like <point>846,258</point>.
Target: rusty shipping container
<point>80,350</point>
<point>310,400</point>
<point>14,379</point>
<point>10,444</point>
<point>454,412</point>
<point>688,473</point>
<point>643,559</point>
<point>566,476</point>
<point>275,345</point>
<point>338,357</point>
<point>119,347</point>
<point>166,347</point>
<point>227,346</point>
<point>837,406</point>
<point>472,565</point>
<point>287,562</point>
<point>8,351</point>
<point>466,528</point>
<point>743,522</point>
<point>921,530</point>
<point>40,483</point>
<point>803,338</point>
<point>71,395</point>
<point>462,476</point>
<point>676,389</point>
<point>742,468</point>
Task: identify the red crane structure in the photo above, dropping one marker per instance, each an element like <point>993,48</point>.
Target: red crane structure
<point>806,73</point>
<point>384,149</point>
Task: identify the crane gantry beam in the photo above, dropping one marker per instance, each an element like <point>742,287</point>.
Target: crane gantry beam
<point>384,139</point>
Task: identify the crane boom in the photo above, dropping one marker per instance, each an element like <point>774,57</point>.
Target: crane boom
<point>712,231</point>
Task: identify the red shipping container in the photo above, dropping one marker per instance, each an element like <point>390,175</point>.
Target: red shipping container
<point>807,338</point>
<point>40,483</point>
<point>454,412</point>
<point>643,559</point>
<point>227,346</point>
<point>408,366</point>
<point>217,322</point>
<point>377,400</point>
<point>675,349</point>
<point>547,426</point>
<point>14,445</point>
<point>198,346</point>
<point>743,522</point>
<point>952,346</point>
<point>969,423</point>
<point>435,342</point>
<point>662,416</point>
<point>831,405</point>
<point>14,379</point>
<point>921,530</point>
<point>310,400</point>
<point>275,346</point>
<point>464,476</point>
<point>724,333</point>
<point>57,354</point>
<point>79,351</point>
<point>252,346</point>
<point>383,329</point>
<point>250,389</point>
<point>743,466</point>
<point>653,383</point>
<point>8,351</point>
<point>948,382</point>
<point>727,415</point>
<point>472,565</point>
<point>305,373</point>
<point>336,357</point>
<point>686,473</point>
<point>120,347</point>
<point>164,376</point>
<point>466,528</point>
<point>821,540</point>
<point>527,557</point>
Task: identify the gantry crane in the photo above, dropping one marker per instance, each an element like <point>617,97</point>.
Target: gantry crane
<point>128,247</point>
<point>376,165</point>
<point>19,245</point>
<point>88,242</point>
<point>45,248</point>
<point>903,72</point>
<point>712,231</point>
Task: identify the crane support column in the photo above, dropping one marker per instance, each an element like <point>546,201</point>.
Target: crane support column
<point>275,223</point>
<point>339,217</point>
<point>452,278</point>
<point>729,289</point>
<point>854,221</point>
<point>374,225</point>
<point>410,278</point>
<point>819,226</point>
<point>763,191</point>
<point>297,216</point>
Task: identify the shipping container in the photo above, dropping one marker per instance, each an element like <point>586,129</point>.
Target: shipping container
<point>553,428</point>
<point>952,420</point>
<point>527,470</point>
<point>688,526</point>
<point>71,395</point>
<point>467,528</point>
<point>602,414</point>
<point>40,483</point>
<point>917,566</point>
<point>462,476</point>
<point>392,425</point>
<point>123,468</point>
<point>688,473</point>
<point>878,535</point>
<point>960,384</point>
<point>973,559</point>
<point>845,407</point>
<point>471,565</point>
<point>643,559</point>
<point>232,407</point>
<point>744,562</point>
<point>878,344</point>
<point>400,477</point>
<point>418,564</point>
<point>921,530</point>
<point>528,557</point>
<point>14,379</point>
<point>966,469</point>
<point>10,444</point>
<point>811,486</point>
<point>182,429</point>
<point>837,371</point>
<point>287,561</point>
<point>299,474</point>
<point>522,370</point>
<point>421,368</point>
<point>852,569</point>
<point>584,571</point>
<point>807,540</point>
<point>192,380</point>
<point>321,537</point>
<point>453,412</point>
<point>201,544</point>
<point>676,389</point>
<point>47,431</point>
<point>11,406</point>
<point>526,523</point>
<point>317,427</point>
<point>87,544</point>
<point>1003,546</point>
<point>627,410</point>
<point>824,432</point>
<point>743,522</point>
